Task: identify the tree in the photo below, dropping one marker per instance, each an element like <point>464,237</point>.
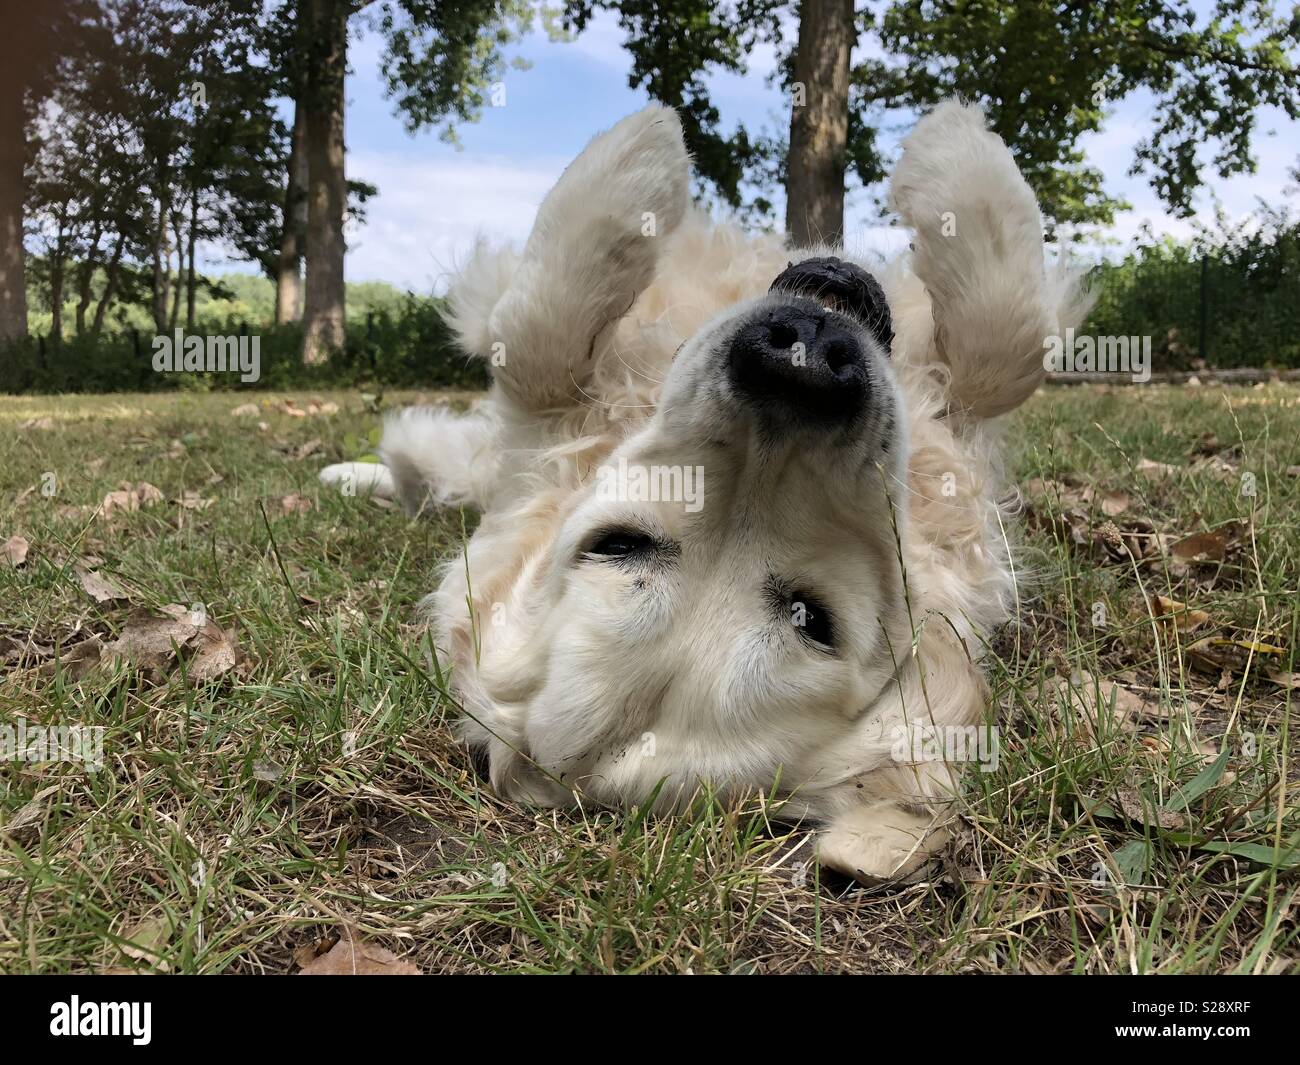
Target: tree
<point>324,312</point>
<point>1046,72</point>
<point>819,123</point>
<point>34,35</point>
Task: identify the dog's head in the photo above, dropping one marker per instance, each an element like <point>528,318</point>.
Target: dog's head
<point>726,591</point>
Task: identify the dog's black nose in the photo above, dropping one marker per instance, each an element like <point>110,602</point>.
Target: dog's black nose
<point>798,358</point>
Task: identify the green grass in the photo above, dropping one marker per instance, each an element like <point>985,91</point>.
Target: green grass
<point>317,786</point>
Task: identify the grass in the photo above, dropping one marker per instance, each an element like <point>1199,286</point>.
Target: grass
<point>237,823</point>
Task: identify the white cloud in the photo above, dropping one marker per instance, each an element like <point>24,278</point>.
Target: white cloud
<point>430,211</point>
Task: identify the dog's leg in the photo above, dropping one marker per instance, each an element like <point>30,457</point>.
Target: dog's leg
<point>886,822</point>
<point>978,251</point>
<point>592,251</point>
<point>360,479</point>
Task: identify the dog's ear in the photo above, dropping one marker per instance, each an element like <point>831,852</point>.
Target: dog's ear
<point>543,321</point>
<point>978,250</point>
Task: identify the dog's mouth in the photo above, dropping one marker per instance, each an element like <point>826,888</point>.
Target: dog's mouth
<point>841,288</point>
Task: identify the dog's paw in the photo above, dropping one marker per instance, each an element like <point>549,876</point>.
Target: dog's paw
<point>949,160</point>
<point>360,479</point>
<point>881,843</point>
<point>636,173</point>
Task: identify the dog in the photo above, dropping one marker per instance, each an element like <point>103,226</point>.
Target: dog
<point>744,519</point>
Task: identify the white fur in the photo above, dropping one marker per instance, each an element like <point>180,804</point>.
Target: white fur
<point>583,676</point>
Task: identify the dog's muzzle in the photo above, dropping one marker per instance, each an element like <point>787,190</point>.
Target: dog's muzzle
<point>800,360</point>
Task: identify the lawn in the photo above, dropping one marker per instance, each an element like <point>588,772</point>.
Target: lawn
<point>277,769</point>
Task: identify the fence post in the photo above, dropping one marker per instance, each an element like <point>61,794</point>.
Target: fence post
<point>1200,343</point>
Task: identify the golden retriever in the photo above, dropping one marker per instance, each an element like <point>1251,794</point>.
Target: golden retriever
<point>744,521</point>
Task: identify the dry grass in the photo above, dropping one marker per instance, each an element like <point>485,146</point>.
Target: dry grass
<point>238,821</point>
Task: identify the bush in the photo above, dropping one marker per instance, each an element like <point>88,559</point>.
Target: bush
<point>1229,298</point>
<point>407,346</point>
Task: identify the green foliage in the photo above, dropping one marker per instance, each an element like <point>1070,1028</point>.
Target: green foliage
<point>1047,74</point>
<point>1241,283</point>
<point>394,339</point>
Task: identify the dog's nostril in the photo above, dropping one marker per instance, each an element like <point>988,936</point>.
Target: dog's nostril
<point>782,336</point>
<point>839,354</point>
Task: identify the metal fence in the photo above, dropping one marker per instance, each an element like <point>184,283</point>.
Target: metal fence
<point>1226,312</point>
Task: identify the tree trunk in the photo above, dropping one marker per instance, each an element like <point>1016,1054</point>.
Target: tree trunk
<point>111,276</point>
<point>161,268</point>
<point>179,286</point>
<point>819,123</point>
<point>323,310</point>
<point>288,281</point>
<point>13,273</point>
<point>86,280</point>
<point>56,295</point>
<point>191,280</point>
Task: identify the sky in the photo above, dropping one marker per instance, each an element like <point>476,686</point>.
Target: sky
<point>435,200</point>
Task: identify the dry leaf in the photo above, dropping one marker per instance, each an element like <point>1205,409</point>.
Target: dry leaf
<point>128,498</point>
<point>295,504</point>
<point>1201,547</point>
<point>352,957</point>
<point>145,942</point>
<point>1147,813</point>
<point>1180,615</point>
<point>152,641</point>
<point>100,588</point>
<point>76,661</point>
<point>30,814</point>
<point>1118,706</point>
<point>195,501</point>
<point>1155,471</point>
<point>1283,679</point>
<point>1219,655</point>
<point>14,551</point>
<point>1114,503</point>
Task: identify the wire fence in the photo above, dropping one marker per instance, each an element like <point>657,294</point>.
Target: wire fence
<point>1204,310</point>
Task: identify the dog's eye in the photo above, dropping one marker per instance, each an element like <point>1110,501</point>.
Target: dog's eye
<point>812,620</point>
<point>620,543</point>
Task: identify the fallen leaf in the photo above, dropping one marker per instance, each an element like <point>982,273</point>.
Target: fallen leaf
<point>195,501</point>
<point>153,641</point>
<point>30,814</point>
<point>14,551</point>
<point>100,588</point>
<point>1214,654</point>
<point>306,953</point>
<point>145,941</point>
<point>351,957</point>
<point>303,450</point>
<point>1283,679</point>
<point>130,498</point>
<point>1155,471</point>
<point>1209,546</point>
<point>1180,615</point>
<point>1114,503</point>
<point>1103,705</point>
<point>1144,812</point>
<point>76,661</point>
<point>295,504</point>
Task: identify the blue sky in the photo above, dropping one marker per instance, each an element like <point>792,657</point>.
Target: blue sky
<point>434,199</point>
